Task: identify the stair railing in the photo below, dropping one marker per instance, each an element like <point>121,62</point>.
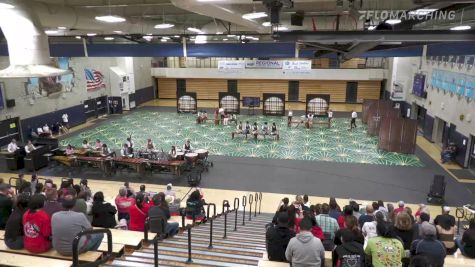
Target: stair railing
<point>251,200</point>
<point>188,227</point>
<point>460,214</point>
<point>211,219</point>
<point>260,202</point>
<point>104,259</point>
<point>236,210</point>
<point>256,197</point>
<point>244,203</point>
<point>225,206</point>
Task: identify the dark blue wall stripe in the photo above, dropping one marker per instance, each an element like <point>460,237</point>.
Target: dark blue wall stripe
<point>135,50</point>
<point>444,49</point>
<point>142,95</point>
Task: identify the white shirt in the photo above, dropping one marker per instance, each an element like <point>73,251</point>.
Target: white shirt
<point>369,230</point>
<point>12,147</point>
<point>330,114</point>
<point>65,118</point>
<point>46,128</point>
<point>130,144</point>
<point>29,148</point>
<point>221,111</point>
<point>86,146</point>
<point>39,130</point>
<point>290,113</point>
<point>124,152</point>
<point>354,115</point>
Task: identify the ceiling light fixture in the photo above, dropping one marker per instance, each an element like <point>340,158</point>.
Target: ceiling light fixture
<point>163,40</point>
<point>282,28</point>
<point>176,36</point>
<point>191,29</point>
<point>231,35</point>
<point>91,34</point>
<point>254,15</point>
<point>164,26</point>
<point>108,38</point>
<point>200,39</point>
<point>266,24</point>
<point>219,33</point>
<point>461,28</point>
<point>148,37</point>
<point>6,6</point>
<point>149,34</point>
<point>51,32</point>
<point>166,38</point>
<point>372,27</point>
<point>118,32</point>
<point>110,19</point>
<point>62,28</point>
<point>225,39</point>
<point>78,37</point>
<point>393,21</point>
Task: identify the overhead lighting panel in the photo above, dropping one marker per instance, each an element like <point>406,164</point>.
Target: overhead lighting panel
<point>393,21</point>
<point>254,15</point>
<point>108,38</point>
<point>6,6</point>
<point>49,32</point>
<point>164,26</point>
<point>110,19</point>
<point>267,24</point>
<point>191,29</point>
<point>461,28</point>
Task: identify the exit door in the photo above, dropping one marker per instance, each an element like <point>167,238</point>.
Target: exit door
<point>351,92</point>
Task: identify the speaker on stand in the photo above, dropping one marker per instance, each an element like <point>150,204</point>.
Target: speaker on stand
<point>436,193</point>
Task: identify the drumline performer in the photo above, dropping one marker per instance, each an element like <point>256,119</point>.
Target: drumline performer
<point>130,144</point>
<point>255,130</point>
<point>124,152</point>
<point>187,146</point>
<point>172,152</point>
<point>330,117</point>
<point>273,130</point>
<point>265,129</point>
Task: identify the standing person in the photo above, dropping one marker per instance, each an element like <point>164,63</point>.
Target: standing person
<point>400,208</point>
<point>12,146</point>
<point>187,146</point>
<point>330,117</point>
<point>354,115</point>
<point>305,249</point>
<point>6,205</point>
<point>65,118</point>
<point>123,203</point>
<point>329,226</point>
<point>98,145</point>
<point>446,234</point>
<point>67,224</point>
<point>278,237</point>
<point>289,117</point>
<point>36,226</point>
<point>368,217</point>
<point>29,147</point>
<point>466,244</point>
<point>14,227</point>
<point>103,213</point>
<point>385,249</point>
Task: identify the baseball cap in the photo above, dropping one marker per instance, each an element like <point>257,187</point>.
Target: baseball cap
<point>401,203</point>
<point>446,208</point>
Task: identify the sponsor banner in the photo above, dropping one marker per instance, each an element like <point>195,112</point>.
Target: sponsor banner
<point>296,65</point>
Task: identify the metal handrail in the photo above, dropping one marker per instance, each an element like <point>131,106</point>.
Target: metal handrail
<point>251,200</point>
<point>189,243</point>
<point>146,229</point>
<point>225,205</point>
<point>460,214</point>
<point>104,259</point>
<point>236,209</point>
<point>260,202</point>
<point>256,197</point>
<point>211,219</point>
<point>244,204</point>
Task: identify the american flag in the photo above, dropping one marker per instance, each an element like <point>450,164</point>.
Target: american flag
<point>95,79</point>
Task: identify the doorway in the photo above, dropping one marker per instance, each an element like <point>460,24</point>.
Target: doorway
<point>421,117</point>
<point>351,92</point>
<point>471,164</point>
<point>438,136</point>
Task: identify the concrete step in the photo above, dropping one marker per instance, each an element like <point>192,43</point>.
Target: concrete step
<point>215,253</point>
<point>236,237</point>
<point>199,259</point>
<point>218,248</point>
<point>239,232</point>
<point>217,244</point>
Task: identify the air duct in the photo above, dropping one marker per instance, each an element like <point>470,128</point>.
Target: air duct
<point>27,44</point>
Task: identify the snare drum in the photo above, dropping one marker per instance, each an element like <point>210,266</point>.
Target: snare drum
<point>180,155</point>
<point>202,153</point>
<point>191,157</point>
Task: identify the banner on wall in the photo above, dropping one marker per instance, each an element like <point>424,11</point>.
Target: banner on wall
<point>397,91</point>
<point>456,83</point>
<point>231,66</point>
<point>94,79</point>
<point>296,65</point>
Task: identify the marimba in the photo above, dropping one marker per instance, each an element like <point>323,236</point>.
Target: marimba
<point>138,164</point>
<point>175,166</point>
<point>103,164</point>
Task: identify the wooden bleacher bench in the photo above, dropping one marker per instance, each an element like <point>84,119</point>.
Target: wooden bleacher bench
<point>267,263</point>
<point>19,260</point>
<point>457,260</point>
<point>125,237</point>
<point>89,256</point>
<point>117,249</point>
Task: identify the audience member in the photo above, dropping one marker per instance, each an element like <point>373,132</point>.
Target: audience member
<point>385,249</point>
<point>400,208</point>
<point>329,226</point>
<point>130,190</point>
<point>81,204</point>
<point>429,246</point>
<point>14,227</point>
<point>351,224</point>
<point>306,203</point>
<point>368,217</point>
<point>356,209</point>
<point>390,215</point>
<point>445,218</point>
<point>446,231</point>
<point>67,224</point>
<point>123,204</point>
<point>467,243</point>
<point>423,218</point>
<point>422,207</point>
<point>278,237</point>
<point>194,206</point>
<point>85,188</point>
<point>160,210</point>
<point>349,253</point>
<point>403,228</point>
<point>36,226</point>
<point>347,211</point>
<point>52,205</point>
<point>304,249</point>
<point>335,210</point>
<point>369,229</point>
<point>169,191</point>
<point>20,181</point>
<point>138,213</point>
<point>103,213</point>
<point>6,205</point>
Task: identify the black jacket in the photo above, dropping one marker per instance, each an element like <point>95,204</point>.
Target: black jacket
<point>277,239</point>
<point>14,227</point>
<point>349,254</point>
<point>103,215</point>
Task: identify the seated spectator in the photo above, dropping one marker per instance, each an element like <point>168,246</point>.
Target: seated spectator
<point>67,224</point>
<point>335,210</point>
<point>352,225</point>
<point>445,218</point>
<point>6,205</point>
<point>130,190</point>
<point>169,191</point>
<point>403,228</point>
<point>356,209</point>
<point>347,211</point>
<point>329,226</point>
<point>158,211</point>
<point>349,252</point>
<point>103,213</point>
<point>278,237</point>
<point>385,249</point>
<point>81,204</point>
<point>369,229</point>
<point>138,213</point>
<point>306,203</point>
<point>429,246</point>
<point>368,217</point>
<point>400,208</point>
<point>36,226</point>
<point>467,243</point>
<point>446,231</point>
<point>298,204</point>
<point>422,207</point>
<point>14,227</point>
<point>305,249</point>
<point>52,205</point>
<point>424,218</point>
<point>194,206</point>
<point>123,204</point>
<point>85,188</point>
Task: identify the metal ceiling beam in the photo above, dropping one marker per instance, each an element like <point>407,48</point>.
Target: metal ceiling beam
<point>376,36</point>
<point>325,47</point>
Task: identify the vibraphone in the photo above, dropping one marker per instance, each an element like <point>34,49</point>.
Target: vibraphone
<point>174,166</point>
<point>104,164</point>
<point>138,164</point>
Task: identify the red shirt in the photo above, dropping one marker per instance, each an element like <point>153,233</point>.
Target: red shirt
<point>37,229</point>
<point>341,221</point>
<point>316,231</point>
<point>124,203</point>
<point>398,210</point>
<point>138,216</point>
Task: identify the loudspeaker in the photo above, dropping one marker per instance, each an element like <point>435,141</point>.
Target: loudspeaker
<point>437,190</point>
<point>10,103</point>
<point>296,19</point>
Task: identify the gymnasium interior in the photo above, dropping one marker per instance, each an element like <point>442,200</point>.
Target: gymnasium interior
<point>248,102</point>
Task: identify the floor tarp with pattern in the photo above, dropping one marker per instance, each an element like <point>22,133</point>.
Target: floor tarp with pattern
<point>335,144</point>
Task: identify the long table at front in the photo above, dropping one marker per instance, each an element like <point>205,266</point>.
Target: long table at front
<point>140,165</point>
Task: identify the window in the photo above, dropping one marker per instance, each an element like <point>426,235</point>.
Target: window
<point>293,91</point>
